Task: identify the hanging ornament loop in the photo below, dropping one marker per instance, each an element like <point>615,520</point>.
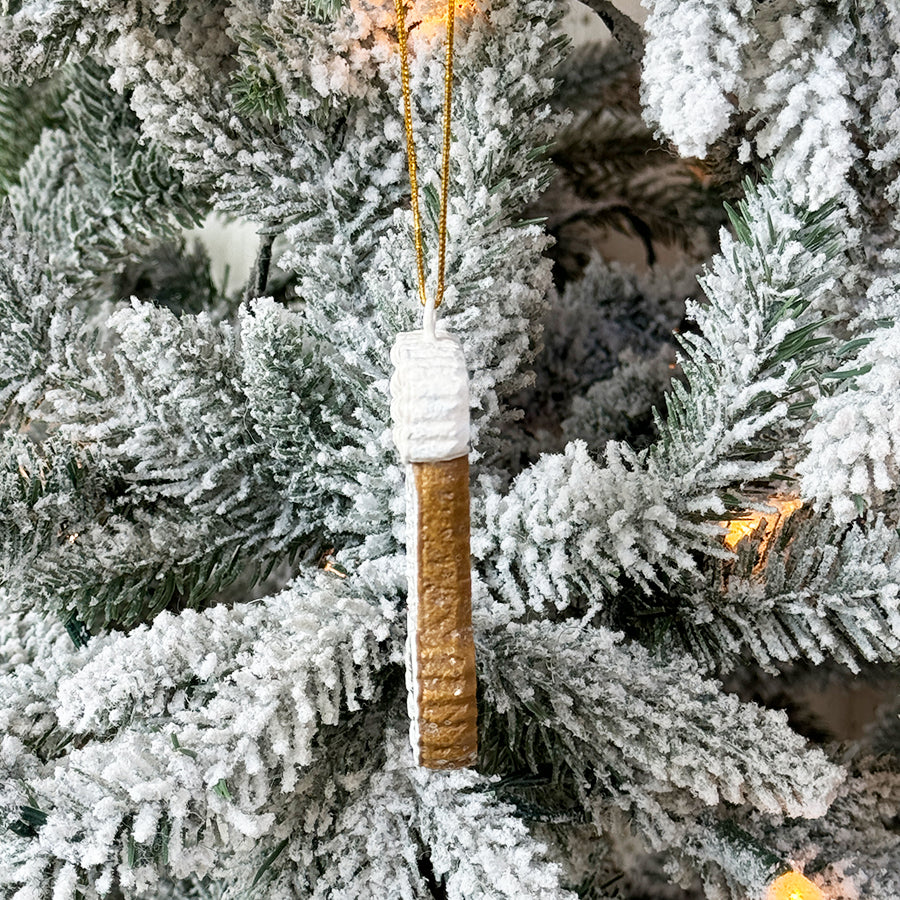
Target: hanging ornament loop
<point>428,318</point>
<point>400,6</point>
<point>430,413</point>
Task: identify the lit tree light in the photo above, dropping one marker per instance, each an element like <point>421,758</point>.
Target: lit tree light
<point>330,565</point>
<point>434,15</point>
<point>793,886</point>
<point>772,522</point>
<point>437,10</point>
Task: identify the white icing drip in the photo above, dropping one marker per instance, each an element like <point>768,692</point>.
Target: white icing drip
<point>429,397</point>
<point>412,612</point>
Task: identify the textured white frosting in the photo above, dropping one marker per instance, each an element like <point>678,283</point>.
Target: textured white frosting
<point>411,648</point>
<point>429,397</point>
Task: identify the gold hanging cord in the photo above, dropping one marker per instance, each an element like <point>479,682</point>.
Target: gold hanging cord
<point>411,149</point>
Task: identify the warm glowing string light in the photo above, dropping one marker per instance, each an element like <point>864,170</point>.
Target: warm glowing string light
<point>328,564</point>
<point>435,18</point>
<point>743,527</point>
<point>793,886</point>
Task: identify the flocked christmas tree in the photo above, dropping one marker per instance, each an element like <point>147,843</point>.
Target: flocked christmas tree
<point>202,541</point>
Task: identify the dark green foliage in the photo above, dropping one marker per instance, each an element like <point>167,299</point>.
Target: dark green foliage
<point>752,362</point>
<point>816,590</point>
<point>25,111</point>
<point>323,10</point>
<point>29,300</point>
<point>607,358</point>
<point>62,29</point>
<point>38,38</point>
<point>29,822</point>
<point>257,93</point>
<point>176,278</point>
<point>76,630</point>
<point>49,494</point>
<point>792,356</point>
<point>154,852</point>
<point>94,192</point>
<point>254,86</point>
<point>612,175</point>
<point>268,860</point>
<point>168,453</point>
<point>102,534</point>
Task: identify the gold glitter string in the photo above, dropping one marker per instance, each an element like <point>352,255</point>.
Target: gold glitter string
<point>411,149</point>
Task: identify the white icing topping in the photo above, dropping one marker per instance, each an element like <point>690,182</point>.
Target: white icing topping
<point>429,397</point>
<point>412,613</point>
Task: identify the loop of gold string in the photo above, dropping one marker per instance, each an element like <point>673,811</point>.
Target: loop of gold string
<point>400,6</point>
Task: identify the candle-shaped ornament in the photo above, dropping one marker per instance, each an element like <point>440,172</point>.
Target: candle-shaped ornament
<point>430,412</point>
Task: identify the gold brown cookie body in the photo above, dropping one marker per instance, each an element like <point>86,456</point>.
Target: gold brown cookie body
<point>444,647</point>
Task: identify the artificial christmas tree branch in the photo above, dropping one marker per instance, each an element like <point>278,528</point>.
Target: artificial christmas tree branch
<point>649,513</point>
<point>259,277</point>
<point>625,30</point>
<point>191,706</point>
